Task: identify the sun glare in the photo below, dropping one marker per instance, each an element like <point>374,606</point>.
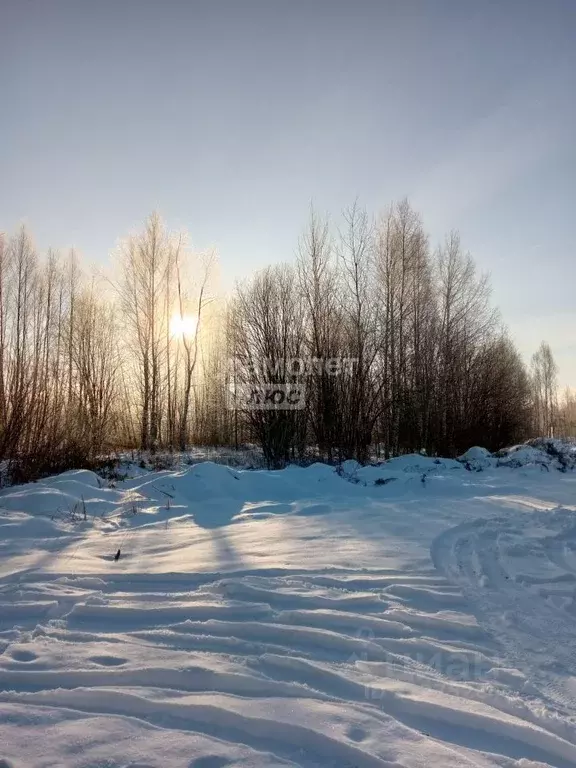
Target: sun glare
<point>183,325</point>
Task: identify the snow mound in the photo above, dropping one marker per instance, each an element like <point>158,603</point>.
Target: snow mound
<point>563,452</point>
<point>476,459</point>
<point>543,453</point>
<point>476,453</point>
<point>537,454</point>
<point>518,456</point>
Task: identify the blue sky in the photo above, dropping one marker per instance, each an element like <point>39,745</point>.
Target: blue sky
<point>229,117</point>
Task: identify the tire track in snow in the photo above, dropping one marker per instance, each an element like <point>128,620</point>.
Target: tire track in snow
<point>491,561</point>
<point>315,639</point>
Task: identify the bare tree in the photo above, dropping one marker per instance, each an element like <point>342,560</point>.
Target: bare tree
<point>466,322</point>
<point>144,261</point>
<point>267,336</point>
<point>355,258</point>
<point>566,416</point>
<point>323,323</point>
<point>545,383</point>
<point>96,364</point>
<point>189,339</point>
<point>406,327</point>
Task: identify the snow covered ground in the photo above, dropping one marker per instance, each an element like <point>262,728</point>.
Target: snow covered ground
<point>413,614</point>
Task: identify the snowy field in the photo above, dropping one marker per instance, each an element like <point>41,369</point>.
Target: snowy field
<point>415,614</point>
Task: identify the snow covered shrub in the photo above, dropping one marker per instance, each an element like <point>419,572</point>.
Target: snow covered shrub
<point>562,451</point>
<point>546,452</point>
<point>109,469</point>
<point>384,480</point>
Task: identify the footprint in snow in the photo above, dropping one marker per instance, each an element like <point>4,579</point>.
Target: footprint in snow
<point>356,733</point>
<point>22,656</point>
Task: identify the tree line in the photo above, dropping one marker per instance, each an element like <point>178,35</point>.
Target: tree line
<point>151,356</point>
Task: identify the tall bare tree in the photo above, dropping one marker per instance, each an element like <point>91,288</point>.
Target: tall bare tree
<point>545,383</point>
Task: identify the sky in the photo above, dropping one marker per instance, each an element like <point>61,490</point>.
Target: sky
<point>229,118</point>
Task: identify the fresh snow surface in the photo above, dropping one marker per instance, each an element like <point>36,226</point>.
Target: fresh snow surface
<point>413,614</point>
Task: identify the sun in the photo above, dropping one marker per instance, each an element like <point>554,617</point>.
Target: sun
<point>183,325</point>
